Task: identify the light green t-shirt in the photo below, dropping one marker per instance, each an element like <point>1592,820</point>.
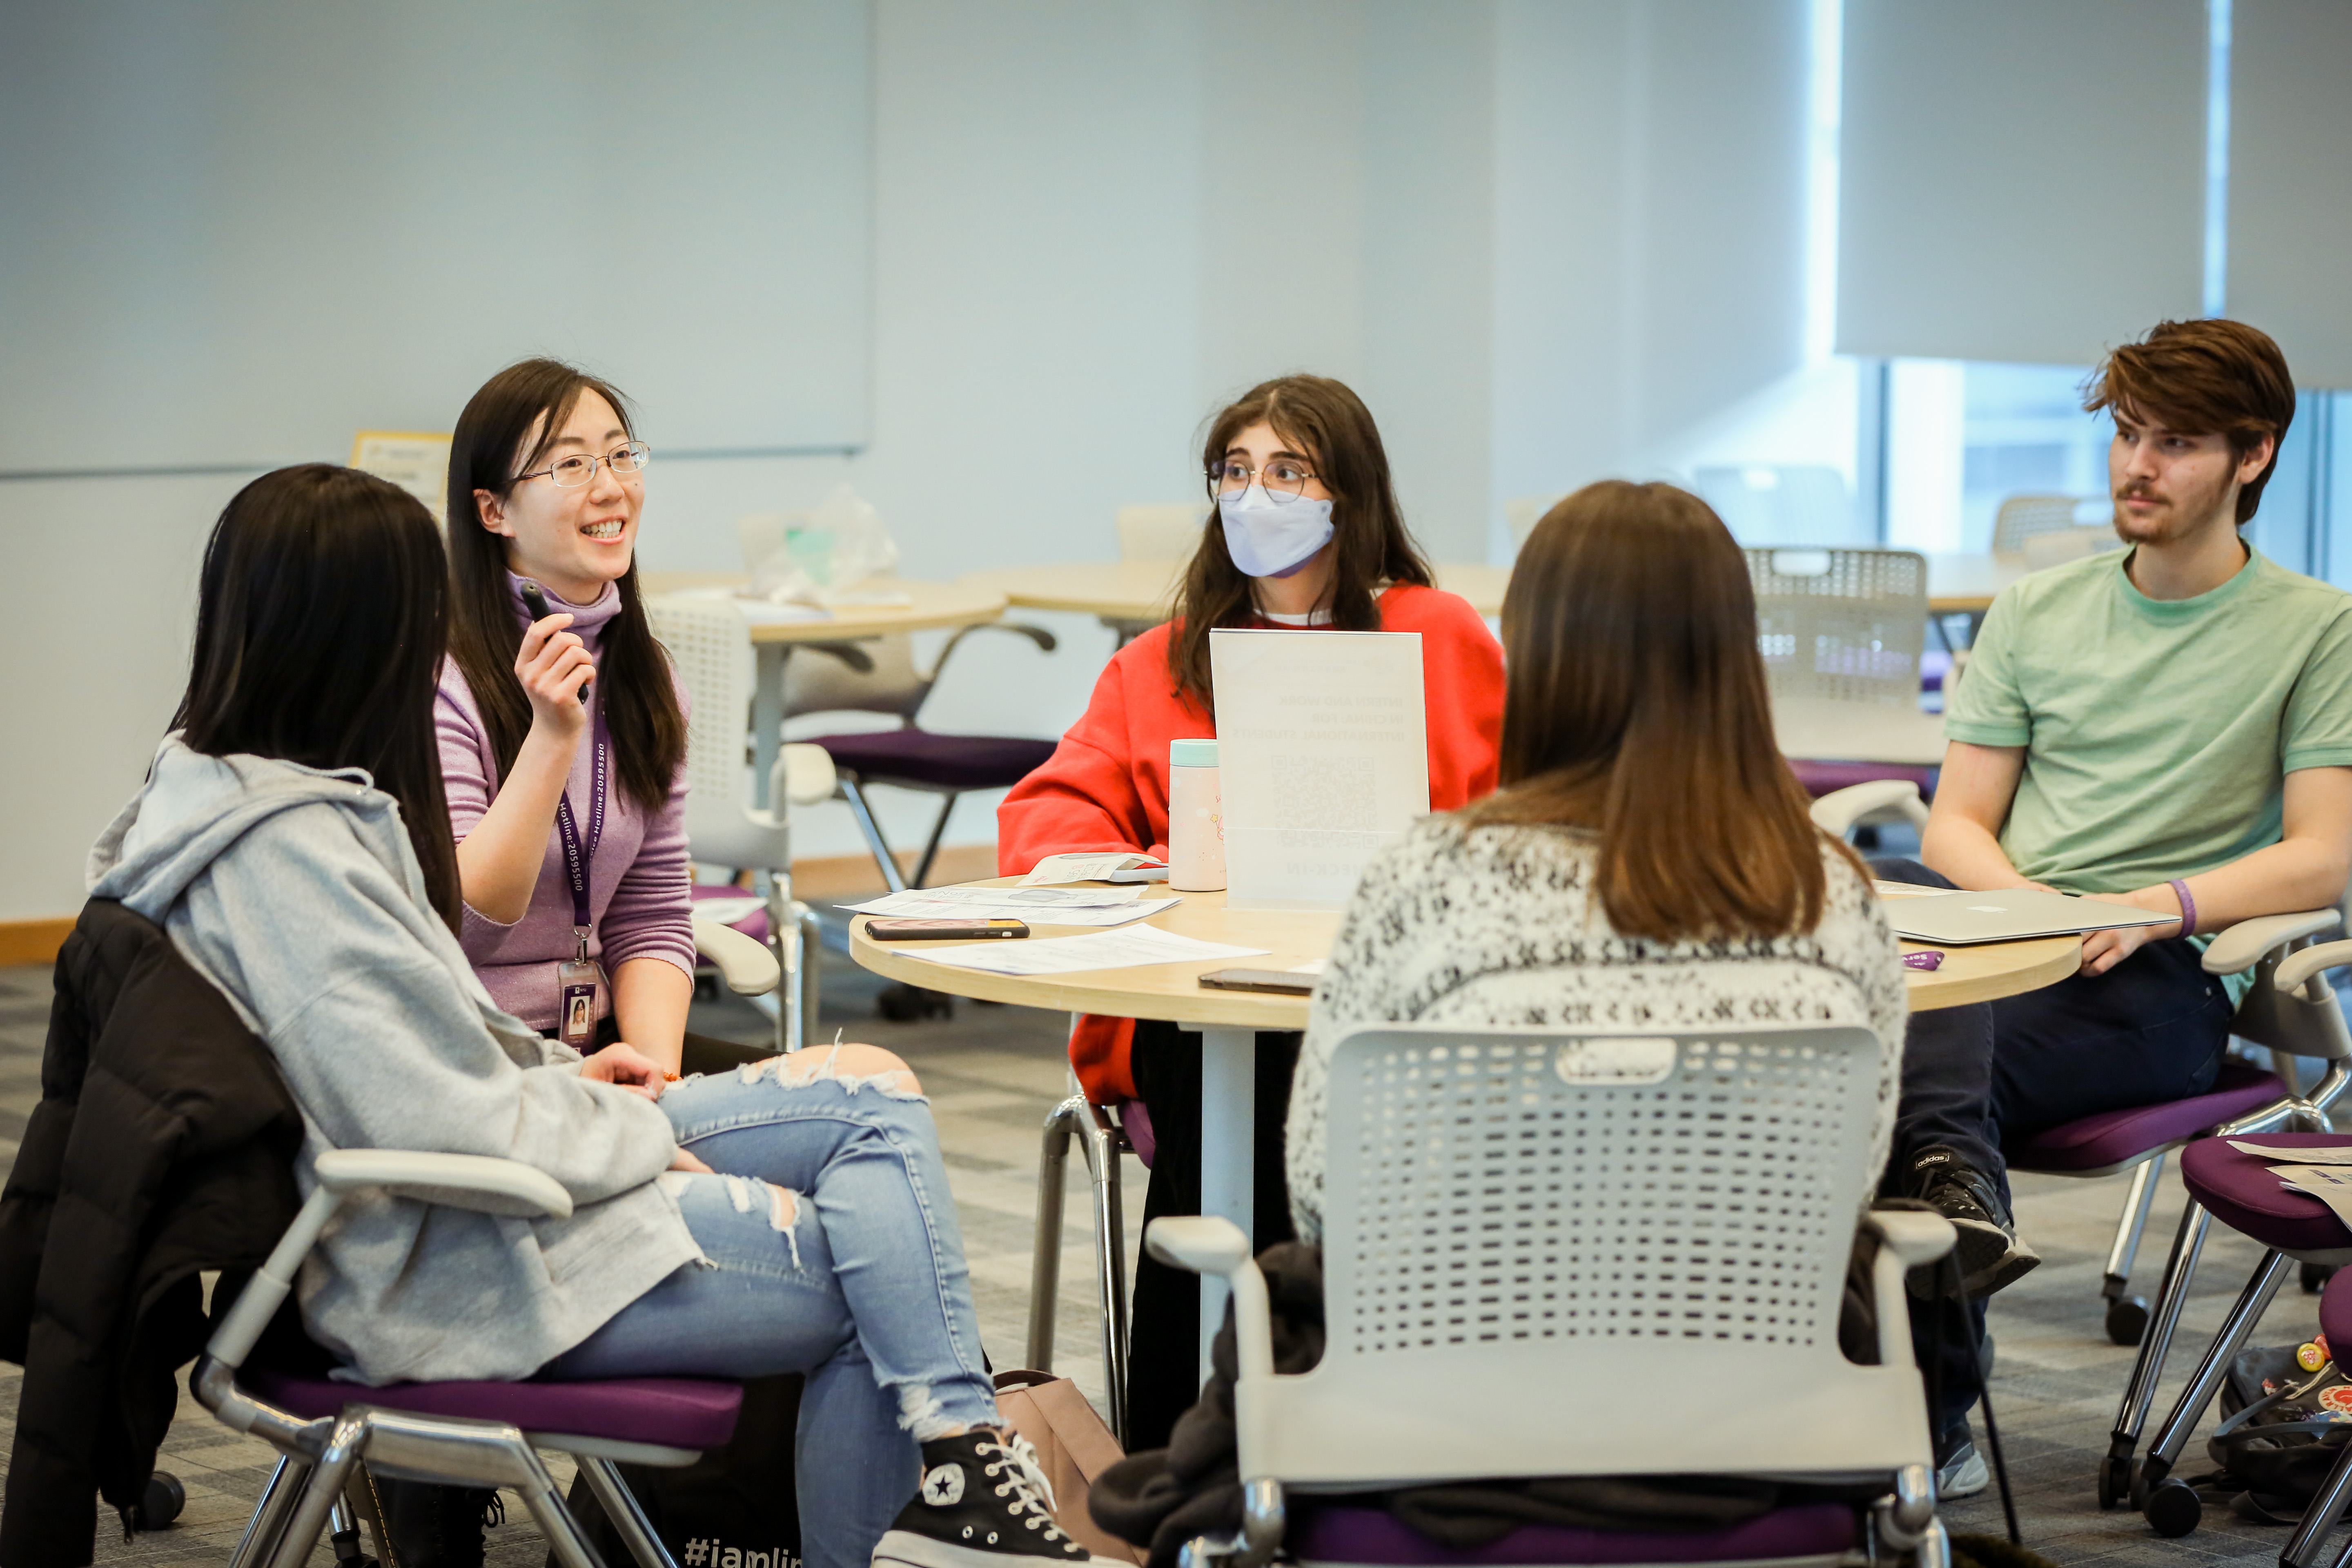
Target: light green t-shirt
<point>2157,733</point>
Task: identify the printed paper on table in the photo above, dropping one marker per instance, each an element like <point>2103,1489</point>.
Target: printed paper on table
<point>1322,759</point>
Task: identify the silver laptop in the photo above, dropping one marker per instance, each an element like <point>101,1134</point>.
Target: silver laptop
<point>2011,914</point>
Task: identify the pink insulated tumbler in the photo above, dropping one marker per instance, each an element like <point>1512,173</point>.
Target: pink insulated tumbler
<point>1196,819</point>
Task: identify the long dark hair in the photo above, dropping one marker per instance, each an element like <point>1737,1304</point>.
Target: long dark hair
<point>320,625</point>
<point>633,677</point>
<point>1636,705</point>
<point>1330,425</point>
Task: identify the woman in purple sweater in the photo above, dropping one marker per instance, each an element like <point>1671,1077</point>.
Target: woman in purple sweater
<point>562,731</point>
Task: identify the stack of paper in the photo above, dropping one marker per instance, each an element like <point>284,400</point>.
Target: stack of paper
<point>1096,949</point>
<point>1047,906</point>
<point>1111,868</point>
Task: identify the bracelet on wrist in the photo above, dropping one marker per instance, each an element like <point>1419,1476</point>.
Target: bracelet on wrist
<point>2187,908</point>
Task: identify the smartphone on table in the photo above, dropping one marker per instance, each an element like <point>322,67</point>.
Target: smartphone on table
<point>942,930</point>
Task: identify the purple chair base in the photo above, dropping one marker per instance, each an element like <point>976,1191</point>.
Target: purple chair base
<point>937,762</point>
<point>1826,778</point>
<point>1368,1535</point>
<point>2240,1190</point>
<point>753,925</point>
<point>2114,1138</point>
<point>671,1411</point>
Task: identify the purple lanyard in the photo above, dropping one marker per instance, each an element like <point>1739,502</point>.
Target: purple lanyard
<point>578,857</point>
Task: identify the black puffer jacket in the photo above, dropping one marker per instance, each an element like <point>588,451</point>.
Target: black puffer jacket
<point>163,1146</point>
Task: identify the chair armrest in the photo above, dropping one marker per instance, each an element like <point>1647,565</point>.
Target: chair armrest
<point>1913,1236</point>
<point>1045,640</point>
<point>749,967</point>
<point>525,1188</point>
<point>1838,811</point>
<point>2298,967</point>
<point>2247,943</point>
<point>343,1171</point>
<point>1199,1243</point>
<point>1907,1238</point>
<point>850,654</point>
<point>803,774</point>
<point>1210,1243</point>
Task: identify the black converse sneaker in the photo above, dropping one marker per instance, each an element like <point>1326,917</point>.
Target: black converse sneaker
<point>1990,1255</point>
<point>983,1498</point>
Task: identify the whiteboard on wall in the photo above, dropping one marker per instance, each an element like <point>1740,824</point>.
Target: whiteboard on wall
<point>239,230</point>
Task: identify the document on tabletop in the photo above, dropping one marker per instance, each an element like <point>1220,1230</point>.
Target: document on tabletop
<point>1322,759</point>
<point>914,906</point>
<point>1095,949</point>
<point>1123,867</point>
<point>991,898</point>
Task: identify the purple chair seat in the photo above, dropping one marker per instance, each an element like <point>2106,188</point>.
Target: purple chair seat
<point>2242,1191</point>
<point>1826,778</point>
<point>2112,1137</point>
<point>674,1412</point>
<point>753,925</point>
<point>943,762</point>
<point>1340,1534</point>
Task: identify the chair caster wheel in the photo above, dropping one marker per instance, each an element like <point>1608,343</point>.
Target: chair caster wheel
<point>163,1500</point>
<point>2116,1479</point>
<point>2127,1319</point>
<point>2316,1275</point>
<point>2174,1508</point>
<point>904,1003</point>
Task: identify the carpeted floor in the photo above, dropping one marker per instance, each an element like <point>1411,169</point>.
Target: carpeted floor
<point>991,1074</point>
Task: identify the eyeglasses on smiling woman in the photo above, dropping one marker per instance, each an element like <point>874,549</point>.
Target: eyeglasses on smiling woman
<point>569,473</point>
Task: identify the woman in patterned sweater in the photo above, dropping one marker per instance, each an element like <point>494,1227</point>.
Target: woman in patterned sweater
<point>1648,863</point>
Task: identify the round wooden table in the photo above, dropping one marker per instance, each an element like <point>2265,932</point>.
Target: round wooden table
<point>929,606</point>
<point>1228,1022</point>
<point>1136,593</point>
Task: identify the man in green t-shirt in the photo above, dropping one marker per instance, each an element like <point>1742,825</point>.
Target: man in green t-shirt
<point>2168,726</point>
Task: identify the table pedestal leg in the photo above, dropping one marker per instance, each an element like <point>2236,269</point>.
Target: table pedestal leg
<point>1228,1150</point>
<point>767,717</point>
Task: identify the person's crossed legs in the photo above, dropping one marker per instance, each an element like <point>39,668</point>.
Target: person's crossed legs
<point>830,1247</point>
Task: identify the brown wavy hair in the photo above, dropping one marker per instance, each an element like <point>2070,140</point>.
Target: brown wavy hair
<point>2204,378</point>
<point>1328,425</point>
<point>1636,706</point>
<point>485,634</point>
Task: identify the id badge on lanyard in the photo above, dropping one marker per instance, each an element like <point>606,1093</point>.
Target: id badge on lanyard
<point>578,981</point>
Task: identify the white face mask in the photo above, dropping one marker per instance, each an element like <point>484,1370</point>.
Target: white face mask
<point>1270,538</point>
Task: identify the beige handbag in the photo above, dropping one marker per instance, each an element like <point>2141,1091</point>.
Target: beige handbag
<point>1074,1446</point>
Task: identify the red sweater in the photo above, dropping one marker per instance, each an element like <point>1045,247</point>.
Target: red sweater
<point>1105,786</point>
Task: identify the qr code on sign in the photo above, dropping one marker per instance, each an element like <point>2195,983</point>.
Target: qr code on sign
<point>1330,794</point>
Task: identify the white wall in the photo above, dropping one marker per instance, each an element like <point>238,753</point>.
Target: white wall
<point>1650,239</point>
<point>1546,240</point>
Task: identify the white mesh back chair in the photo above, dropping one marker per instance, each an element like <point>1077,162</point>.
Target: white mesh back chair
<point>1524,1225</point>
<point>1840,632</point>
<point>710,645</point>
<point>909,757</point>
<point>2024,517</point>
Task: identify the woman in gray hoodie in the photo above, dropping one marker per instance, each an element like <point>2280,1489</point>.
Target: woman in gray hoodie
<point>794,1216</point>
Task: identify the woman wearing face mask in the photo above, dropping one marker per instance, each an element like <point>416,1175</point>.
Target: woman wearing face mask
<point>562,732</point>
<point>1307,532</point>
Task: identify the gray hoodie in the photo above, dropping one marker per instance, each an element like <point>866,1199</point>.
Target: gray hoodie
<point>295,893</point>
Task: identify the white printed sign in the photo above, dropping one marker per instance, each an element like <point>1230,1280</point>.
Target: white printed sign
<point>1322,759</point>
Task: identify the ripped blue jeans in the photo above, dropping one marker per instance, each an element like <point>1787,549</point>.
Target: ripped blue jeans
<point>854,1274</point>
